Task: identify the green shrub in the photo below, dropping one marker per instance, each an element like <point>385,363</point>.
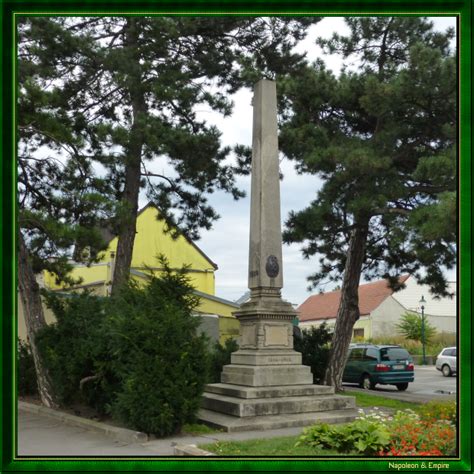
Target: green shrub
<point>159,358</point>
<point>71,346</point>
<point>363,436</point>
<point>411,326</point>
<point>220,356</point>
<point>314,346</point>
<point>26,373</point>
<point>136,356</point>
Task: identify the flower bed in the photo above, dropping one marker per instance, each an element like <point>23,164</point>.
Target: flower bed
<point>432,432</point>
<point>413,436</point>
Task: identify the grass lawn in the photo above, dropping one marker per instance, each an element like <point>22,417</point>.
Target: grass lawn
<point>198,429</point>
<point>285,446</point>
<point>368,400</point>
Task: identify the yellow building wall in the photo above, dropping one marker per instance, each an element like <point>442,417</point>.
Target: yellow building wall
<point>95,273</point>
<point>151,240</point>
<point>229,326</point>
<point>366,325</point>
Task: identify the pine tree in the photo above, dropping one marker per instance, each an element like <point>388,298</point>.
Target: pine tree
<point>133,84</point>
<point>61,202</point>
<point>383,141</point>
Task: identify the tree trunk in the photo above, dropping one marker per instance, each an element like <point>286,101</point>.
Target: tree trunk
<point>126,237</point>
<point>348,312</point>
<point>34,321</point>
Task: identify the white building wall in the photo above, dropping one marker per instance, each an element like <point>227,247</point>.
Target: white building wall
<point>440,313</point>
<point>442,323</point>
<point>385,318</point>
<point>410,297</point>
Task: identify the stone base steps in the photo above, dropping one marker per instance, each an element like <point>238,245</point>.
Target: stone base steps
<point>275,406</point>
<point>240,391</point>
<point>266,375</point>
<point>242,408</point>
<point>233,423</point>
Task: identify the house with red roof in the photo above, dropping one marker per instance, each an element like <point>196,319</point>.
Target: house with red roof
<point>381,308</point>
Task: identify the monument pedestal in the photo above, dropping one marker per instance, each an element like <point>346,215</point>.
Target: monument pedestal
<point>266,386</point>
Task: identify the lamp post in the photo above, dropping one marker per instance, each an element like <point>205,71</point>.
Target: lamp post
<point>422,305</point>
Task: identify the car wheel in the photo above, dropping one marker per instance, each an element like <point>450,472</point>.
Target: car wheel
<point>366,383</point>
<point>446,370</point>
<point>401,387</point>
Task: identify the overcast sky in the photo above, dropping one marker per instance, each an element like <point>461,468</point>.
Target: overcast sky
<point>227,242</point>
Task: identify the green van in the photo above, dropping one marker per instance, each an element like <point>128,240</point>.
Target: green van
<point>369,364</point>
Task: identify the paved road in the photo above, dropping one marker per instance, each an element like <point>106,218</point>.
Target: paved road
<point>429,385</point>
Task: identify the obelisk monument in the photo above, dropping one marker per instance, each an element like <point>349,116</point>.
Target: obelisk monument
<point>266,386</point>
<point>266,330</point>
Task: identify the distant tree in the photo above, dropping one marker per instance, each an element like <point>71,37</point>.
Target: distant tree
<point>411,326</point>
<point>383,141</point>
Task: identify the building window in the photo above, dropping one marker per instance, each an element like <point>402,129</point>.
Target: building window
<point>359,333</point>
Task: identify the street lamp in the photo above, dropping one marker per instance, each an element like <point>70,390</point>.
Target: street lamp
<point>422,305</point>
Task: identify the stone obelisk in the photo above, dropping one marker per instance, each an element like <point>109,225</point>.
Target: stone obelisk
<point>266,386</point>
<point>266,330</point>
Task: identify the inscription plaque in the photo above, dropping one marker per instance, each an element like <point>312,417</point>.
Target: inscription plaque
<point>276,335</point>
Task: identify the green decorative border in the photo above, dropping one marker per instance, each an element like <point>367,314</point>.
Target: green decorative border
<point>9,9</point>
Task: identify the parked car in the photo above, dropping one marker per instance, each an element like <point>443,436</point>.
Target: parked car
<point>446,361</point>
<point>369,365</point>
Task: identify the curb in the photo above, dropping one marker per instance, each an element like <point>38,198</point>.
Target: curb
<point>120,434</point>
<point>190,450</point>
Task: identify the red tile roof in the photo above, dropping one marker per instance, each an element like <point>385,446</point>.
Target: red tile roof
<point>325,305</point>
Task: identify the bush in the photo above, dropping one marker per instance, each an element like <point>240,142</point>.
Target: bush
<point>411,326</point>
<point>136,356</point>
<point>314,346</point>
<point>220,356</point>
<point>365,435</point>
<point>26,373</point>
<point>159,358</point>
<point>71,347</point>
